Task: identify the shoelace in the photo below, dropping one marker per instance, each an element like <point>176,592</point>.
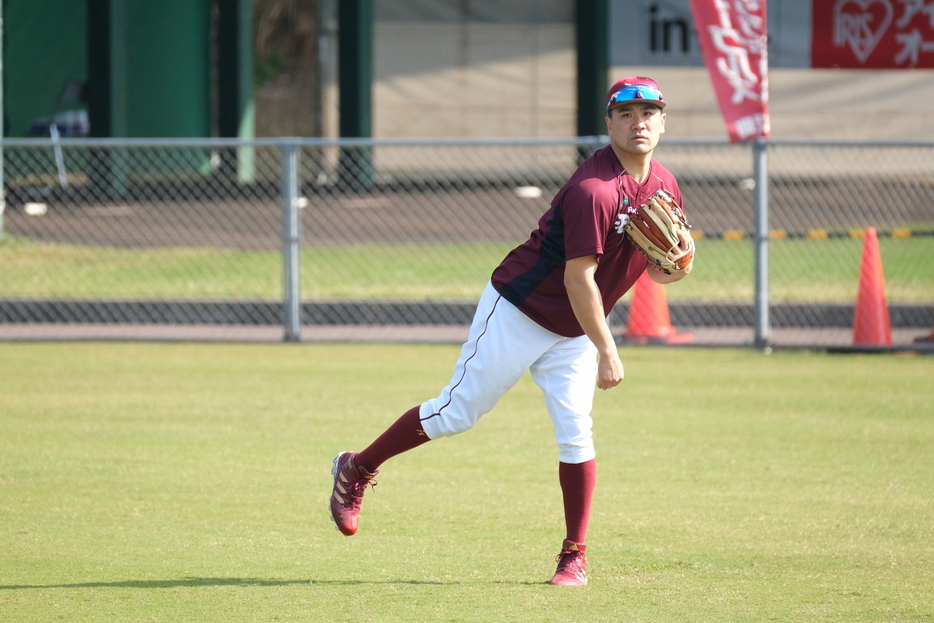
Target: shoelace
<point>357,490</point>
<point>568,559</point>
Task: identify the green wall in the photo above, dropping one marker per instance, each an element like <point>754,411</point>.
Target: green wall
<point>167,56</point>
<point>168,86</point>
<point>44,46</point>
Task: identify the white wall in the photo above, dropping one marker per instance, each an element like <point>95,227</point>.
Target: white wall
<point>808,104</point>
<point>453,77</point>
<point>474,79</point>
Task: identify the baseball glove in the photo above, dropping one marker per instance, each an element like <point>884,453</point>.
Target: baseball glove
<point>654,229</point>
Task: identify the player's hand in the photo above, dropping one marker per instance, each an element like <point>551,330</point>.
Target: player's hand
<point>685,246</point>
<point>609,370</point>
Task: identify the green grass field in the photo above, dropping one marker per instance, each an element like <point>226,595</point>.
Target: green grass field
<point>801,270</point>
<point>188,482</point>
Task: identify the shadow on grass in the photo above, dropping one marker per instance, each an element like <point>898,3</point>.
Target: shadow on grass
<point>181,583</point>
<point>196,582</point>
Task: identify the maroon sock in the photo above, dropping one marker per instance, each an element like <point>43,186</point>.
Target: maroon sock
<point>403,435</point>
<point>577,485</point>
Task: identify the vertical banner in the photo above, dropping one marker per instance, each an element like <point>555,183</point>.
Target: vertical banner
<point>733,38</point>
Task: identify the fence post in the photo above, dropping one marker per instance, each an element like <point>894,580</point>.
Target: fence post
<point>2,184</point>
<point>761,242</point>
<point>291,243</point>
<point>2,116</point>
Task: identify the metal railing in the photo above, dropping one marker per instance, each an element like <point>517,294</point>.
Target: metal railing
<point>301,232</point>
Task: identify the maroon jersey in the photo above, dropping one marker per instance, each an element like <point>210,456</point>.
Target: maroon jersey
<point>587,217</point>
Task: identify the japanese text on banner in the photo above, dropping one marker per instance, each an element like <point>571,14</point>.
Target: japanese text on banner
<point>732,35</point>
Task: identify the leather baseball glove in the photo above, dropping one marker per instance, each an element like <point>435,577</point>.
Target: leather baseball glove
<point>660,231</point>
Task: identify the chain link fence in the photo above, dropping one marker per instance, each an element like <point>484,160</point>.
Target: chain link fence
<point>310,233</point>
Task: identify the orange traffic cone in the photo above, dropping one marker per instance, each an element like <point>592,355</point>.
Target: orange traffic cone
<point>871,325</point>
<point>649,321</point>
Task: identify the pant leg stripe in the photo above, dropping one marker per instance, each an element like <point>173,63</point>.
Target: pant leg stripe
<point>486,325</point>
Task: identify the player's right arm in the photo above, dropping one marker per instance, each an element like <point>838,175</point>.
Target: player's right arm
<point>587,304</point>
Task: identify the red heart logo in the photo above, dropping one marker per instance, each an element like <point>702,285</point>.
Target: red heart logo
<point>861,24</point>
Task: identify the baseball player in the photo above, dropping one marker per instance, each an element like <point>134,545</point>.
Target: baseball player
<point>545,310</point>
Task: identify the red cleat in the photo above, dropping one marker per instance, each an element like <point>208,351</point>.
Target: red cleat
<point>572,566</point>
<point>350,482</point>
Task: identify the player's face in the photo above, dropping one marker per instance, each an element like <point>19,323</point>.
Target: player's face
<point>636,127</point>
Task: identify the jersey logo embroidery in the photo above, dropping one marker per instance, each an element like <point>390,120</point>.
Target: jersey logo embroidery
<point>622,219</point>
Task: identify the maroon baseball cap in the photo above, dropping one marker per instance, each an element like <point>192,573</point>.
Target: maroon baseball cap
<point>634,88</point>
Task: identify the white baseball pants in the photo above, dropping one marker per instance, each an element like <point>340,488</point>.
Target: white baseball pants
<point>502,344</point>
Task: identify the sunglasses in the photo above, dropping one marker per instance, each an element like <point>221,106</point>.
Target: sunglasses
<point>635,92</point>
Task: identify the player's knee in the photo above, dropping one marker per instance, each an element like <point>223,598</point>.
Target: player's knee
<point>451,420</point>
<point>449,427</point>
<point>577,451</point>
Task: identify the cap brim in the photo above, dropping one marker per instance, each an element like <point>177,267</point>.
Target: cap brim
<point>658,103</point>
